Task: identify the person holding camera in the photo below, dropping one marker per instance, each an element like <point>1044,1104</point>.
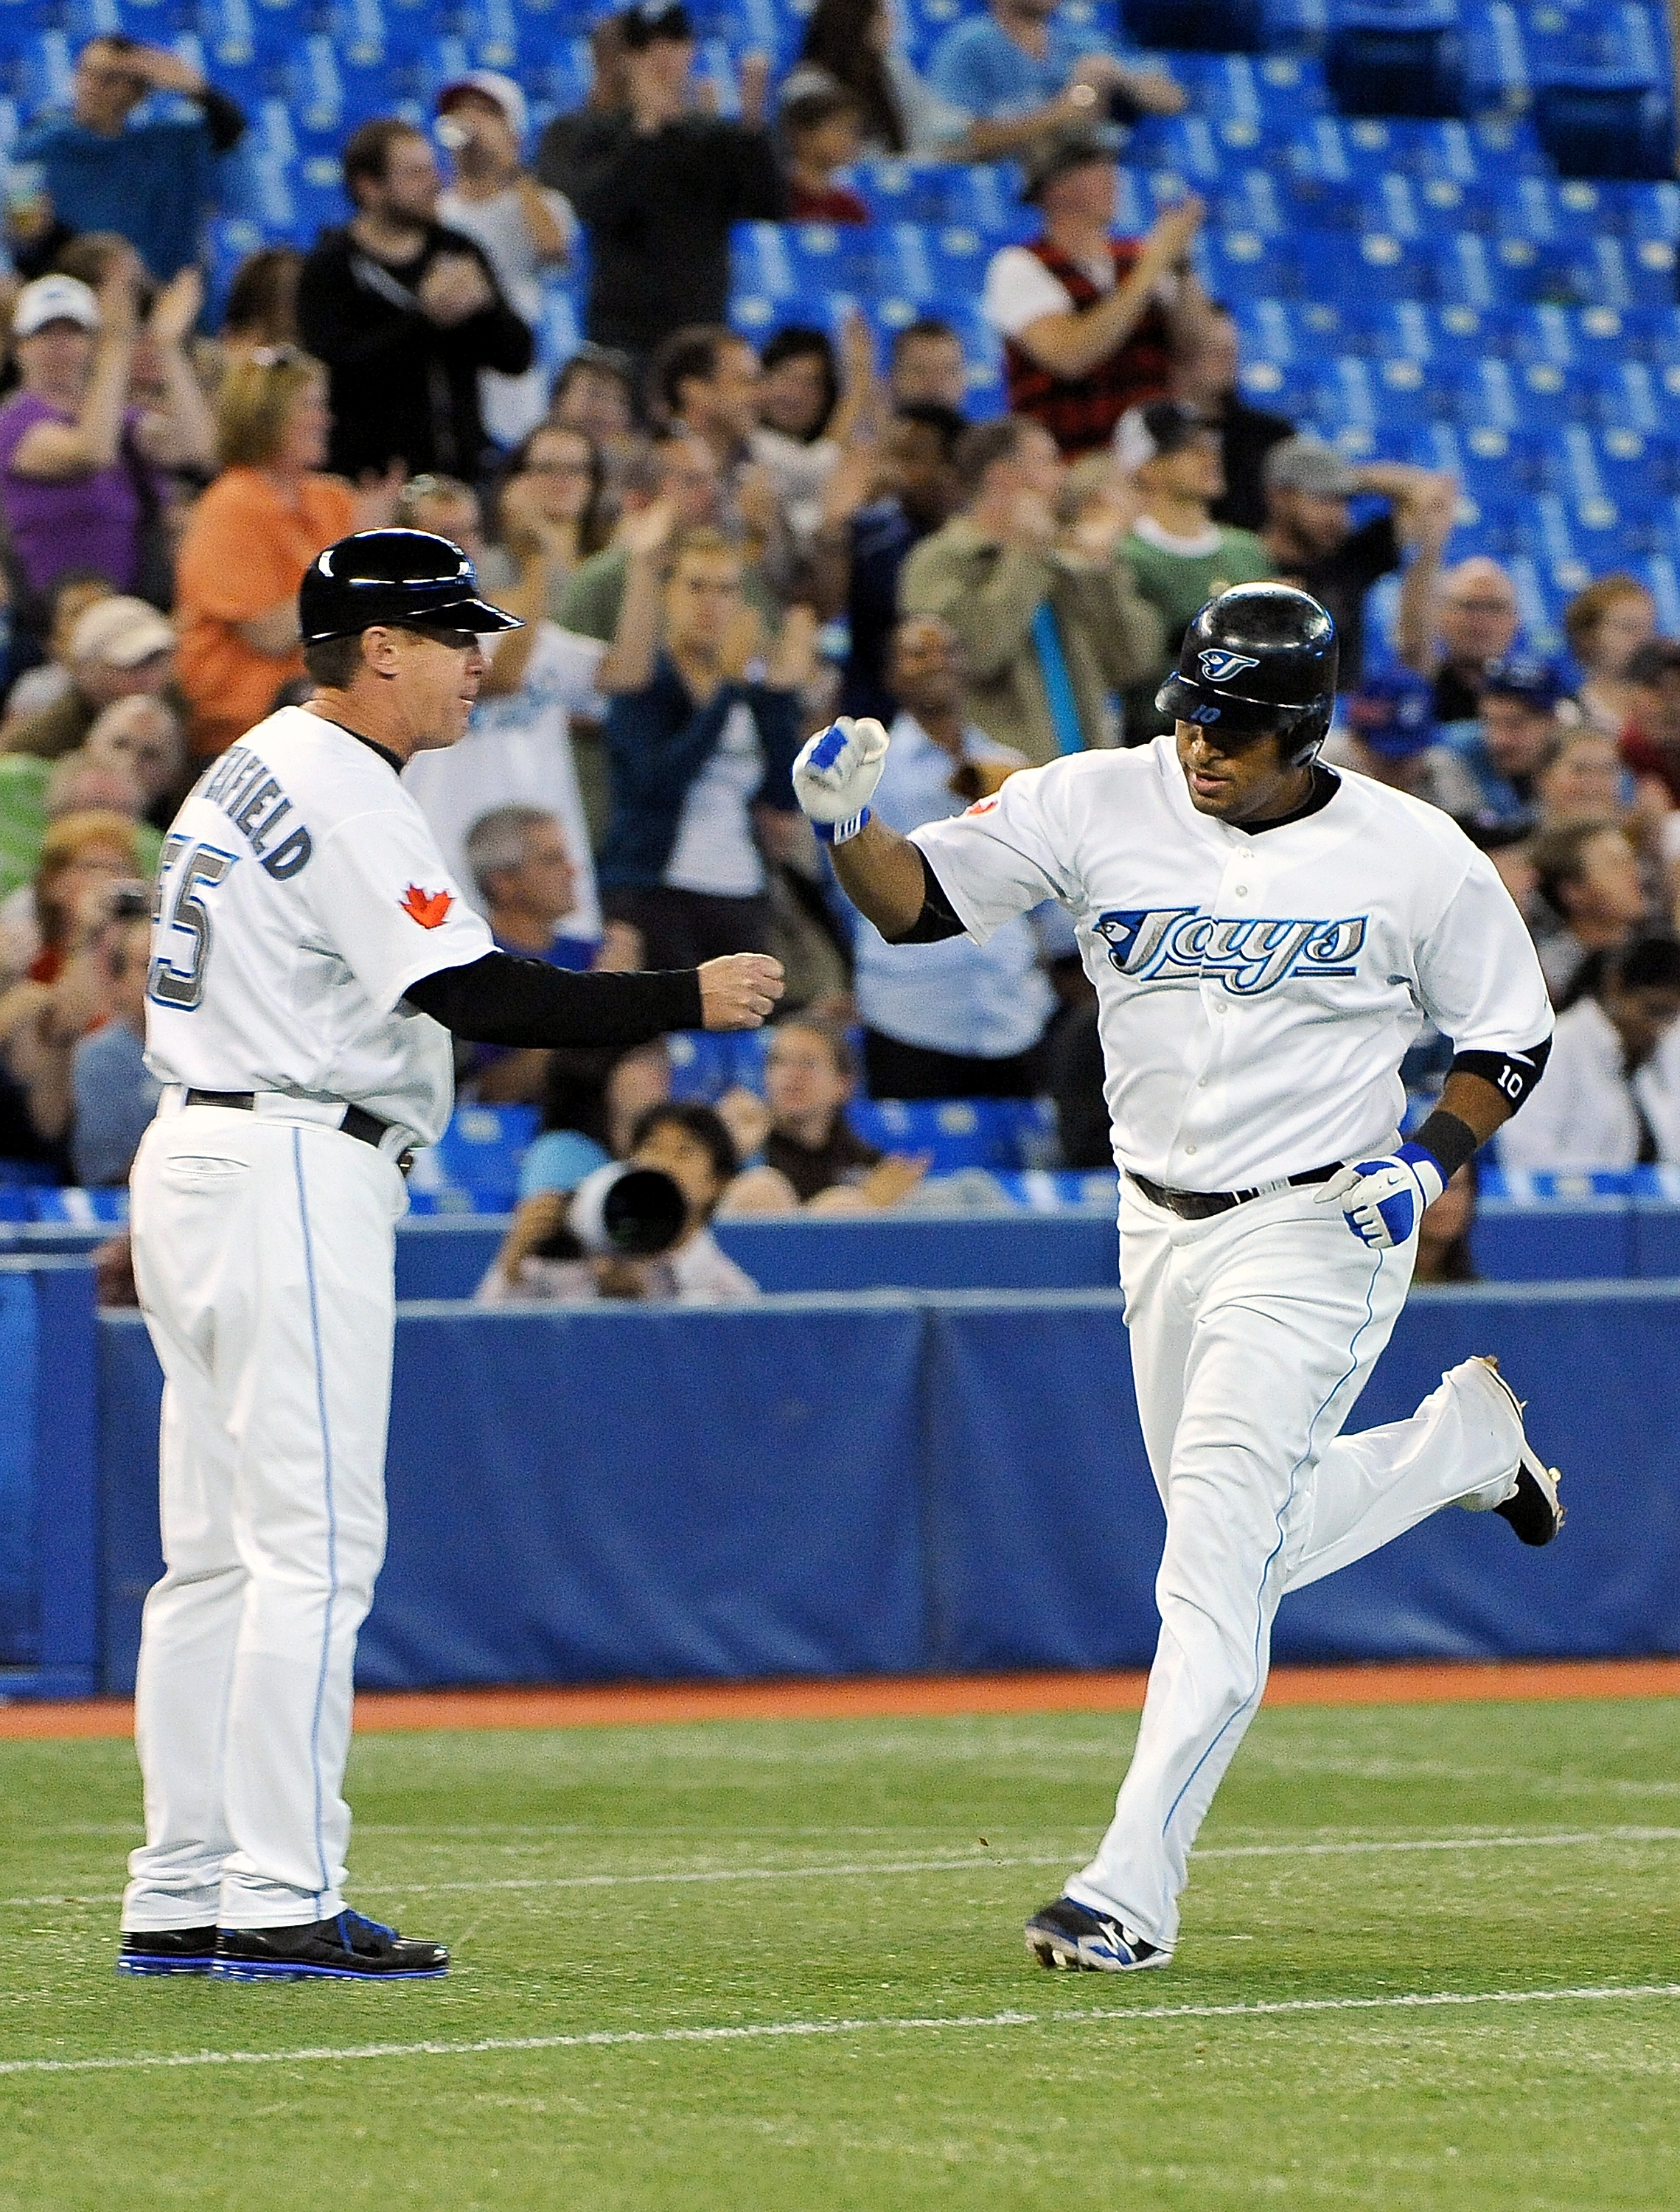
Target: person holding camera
<point>114,1094</point>
<point>523,229</point>
<point>655,1243</point>
<point>1026,57</point>
<point>90,867</point>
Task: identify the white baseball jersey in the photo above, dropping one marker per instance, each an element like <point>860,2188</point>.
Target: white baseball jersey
<point>1255,992</point>
<point>300,894</point>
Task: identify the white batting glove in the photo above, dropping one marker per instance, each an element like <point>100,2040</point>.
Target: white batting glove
<point>1383,1201</point>
<point>835,773</point>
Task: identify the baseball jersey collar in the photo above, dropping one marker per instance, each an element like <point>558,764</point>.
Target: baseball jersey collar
<point>392,761</point>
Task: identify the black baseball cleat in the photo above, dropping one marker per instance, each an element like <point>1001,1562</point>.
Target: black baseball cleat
<point>166,1951</point>
<point>1532,1509</point>
<point>348,1948</point>
<point>1069,1934</point>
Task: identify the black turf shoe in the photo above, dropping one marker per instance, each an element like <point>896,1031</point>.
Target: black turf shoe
<point>166,1951</point>
<point>1532,1509</point>
<point>1069,1934</point>
<point>350,1948</point>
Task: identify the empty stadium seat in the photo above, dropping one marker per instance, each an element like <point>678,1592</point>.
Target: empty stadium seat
<point>1233,27</point>
<point>480,1149</point>
<point>81,1209</point>
<point>954,1133</point>
<point>1396,57</point>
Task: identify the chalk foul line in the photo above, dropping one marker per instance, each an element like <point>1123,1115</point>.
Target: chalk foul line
<point>1553,1839</point>
<point>783,2030</point>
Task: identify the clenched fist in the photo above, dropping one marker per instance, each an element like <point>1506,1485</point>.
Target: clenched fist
<point>740,991</point>
<point>835,774</point>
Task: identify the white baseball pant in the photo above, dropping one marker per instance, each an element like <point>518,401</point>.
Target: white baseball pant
<point>263,1251</point>
<point>1251,1335</point>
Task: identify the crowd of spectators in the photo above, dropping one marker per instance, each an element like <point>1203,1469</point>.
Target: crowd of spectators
<point>717,544</point>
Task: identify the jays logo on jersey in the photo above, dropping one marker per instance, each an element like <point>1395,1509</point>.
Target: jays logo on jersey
<point>1247,956</point>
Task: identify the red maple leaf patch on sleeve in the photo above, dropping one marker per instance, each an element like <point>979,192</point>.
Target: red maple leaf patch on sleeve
<point>428,908</point>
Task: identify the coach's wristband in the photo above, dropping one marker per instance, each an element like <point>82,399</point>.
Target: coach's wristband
<point>840,833</point>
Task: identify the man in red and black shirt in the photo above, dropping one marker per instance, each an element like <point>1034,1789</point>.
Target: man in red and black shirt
<point>1091,322</point>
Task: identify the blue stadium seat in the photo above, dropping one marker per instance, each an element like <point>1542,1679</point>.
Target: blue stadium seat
<point>1187,145</point>
<point>1055,1190</point>
<point>1221,27</point>
<point>480,1149</point>
<point>1240,265</point>
<point>1359,403</point>
<point>910,191</point>
<point>83,1208</point>
<point>1396,57</point>
<point>1496,65</point>
<point>43,70</point>
<point>702,1065</point>
<point>957,1132</point>
<point>930,264</point>
<point>1606,129</point>
<point>1249,199</point>
<point>1364,265</point>
<point>1248,99</point>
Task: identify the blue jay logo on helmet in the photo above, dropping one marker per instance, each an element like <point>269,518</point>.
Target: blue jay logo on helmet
<point>1220,666</point>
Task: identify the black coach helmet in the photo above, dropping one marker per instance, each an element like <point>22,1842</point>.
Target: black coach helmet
<point>1259,658</point>
<point>396,577</point>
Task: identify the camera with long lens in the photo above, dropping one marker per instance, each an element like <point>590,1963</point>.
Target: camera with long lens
<point>620,1212</point>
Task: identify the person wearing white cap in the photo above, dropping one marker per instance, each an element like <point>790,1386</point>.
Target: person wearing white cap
<point>77,487</point>
<point>121,648</point>
<point>524,227</point>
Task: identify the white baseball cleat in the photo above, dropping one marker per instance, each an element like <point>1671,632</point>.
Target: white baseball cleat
<point>1069,1934</point>
<point>1530,1505</point>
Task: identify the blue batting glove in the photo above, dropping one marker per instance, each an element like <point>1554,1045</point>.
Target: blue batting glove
<point>1383,1201</point>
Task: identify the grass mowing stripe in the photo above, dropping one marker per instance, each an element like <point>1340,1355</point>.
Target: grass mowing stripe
<point>1551,1840</point>
<point>610,2037</point>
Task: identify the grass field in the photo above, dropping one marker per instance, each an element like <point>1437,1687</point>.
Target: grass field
<point>779,1965</point>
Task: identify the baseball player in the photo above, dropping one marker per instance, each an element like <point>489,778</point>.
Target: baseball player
<point>1265,937</point>
<point>310,958</point>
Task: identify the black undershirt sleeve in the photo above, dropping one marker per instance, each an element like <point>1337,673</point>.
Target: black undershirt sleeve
<point>938,919</point>
<point>502,999</point>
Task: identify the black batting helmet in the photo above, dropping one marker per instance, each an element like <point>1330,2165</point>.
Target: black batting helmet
<point>1257,659</point>
<point>396,577</point>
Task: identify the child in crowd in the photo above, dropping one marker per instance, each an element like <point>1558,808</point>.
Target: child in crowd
<point>822,130</point>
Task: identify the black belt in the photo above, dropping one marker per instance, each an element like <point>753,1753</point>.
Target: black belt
<point>367,1128</point>
<point>1203,1205</point>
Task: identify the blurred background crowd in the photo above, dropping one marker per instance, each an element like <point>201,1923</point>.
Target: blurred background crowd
<point>775,362</point>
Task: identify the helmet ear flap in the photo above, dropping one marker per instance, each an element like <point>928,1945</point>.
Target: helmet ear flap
<point>1307,733</point>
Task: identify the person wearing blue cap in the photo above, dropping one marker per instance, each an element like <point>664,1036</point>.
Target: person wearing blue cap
<point>1490,767</point>
<point>1390,734</point>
